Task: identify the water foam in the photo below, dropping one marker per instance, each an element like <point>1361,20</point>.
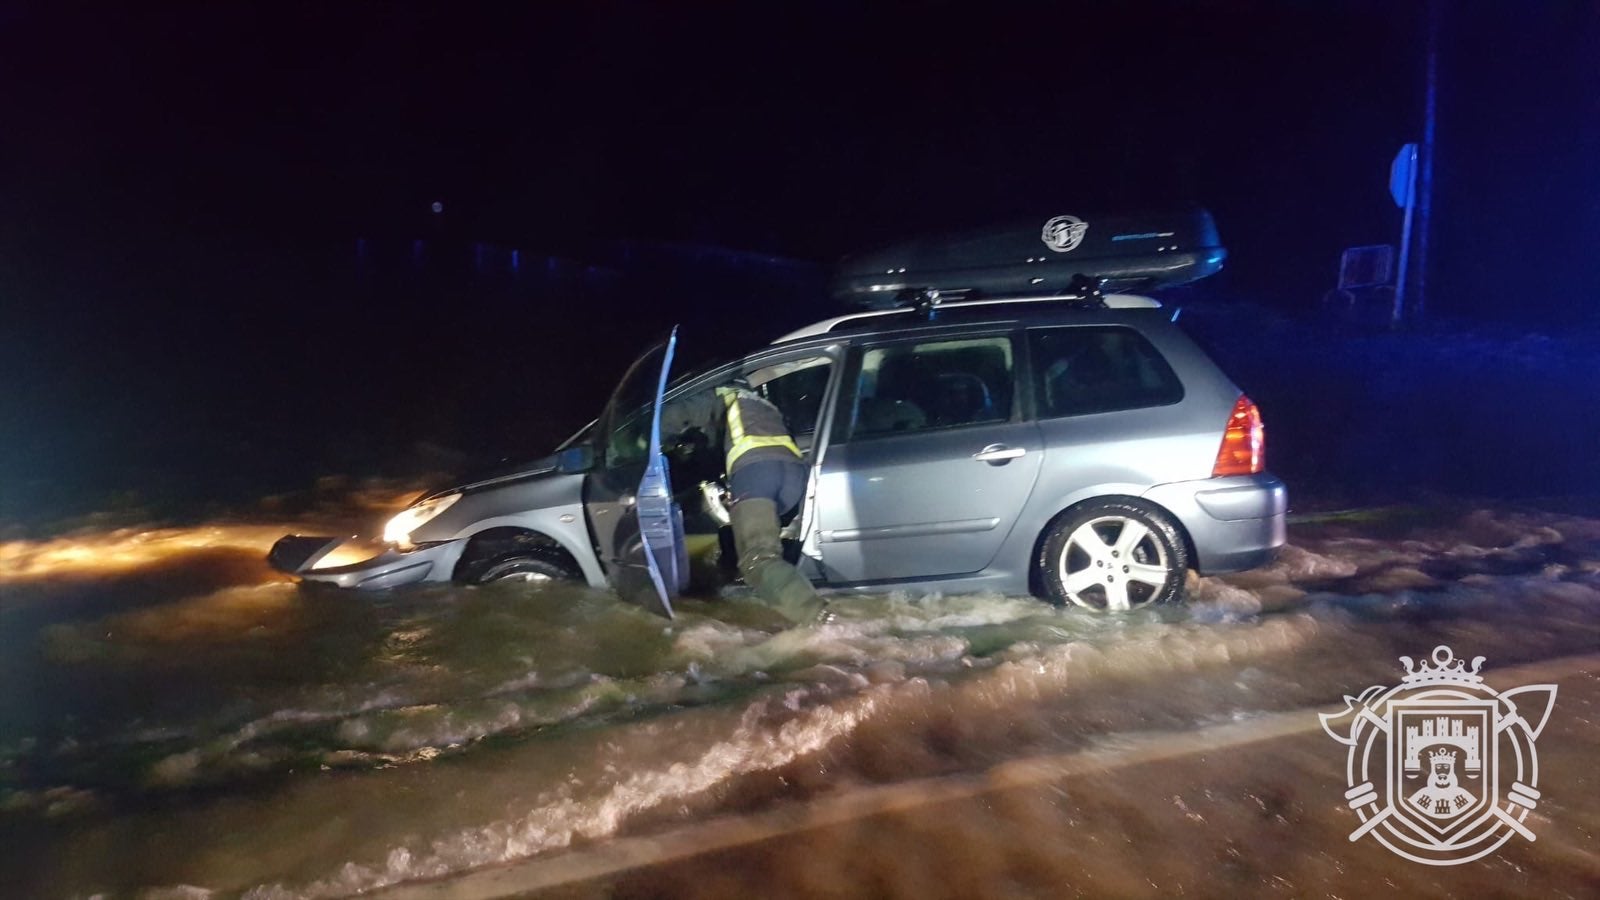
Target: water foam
<point>755,745</point>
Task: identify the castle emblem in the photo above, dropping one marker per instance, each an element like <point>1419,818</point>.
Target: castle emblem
<point>1425,760</point>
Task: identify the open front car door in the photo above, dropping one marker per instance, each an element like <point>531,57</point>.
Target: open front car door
<point>638,527</point>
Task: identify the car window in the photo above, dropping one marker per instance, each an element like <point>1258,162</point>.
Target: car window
<point>629,442</point>
<point>796,389</point>
<point>1079,371</point>
<point>794,386</point>
<point>628,417</point>
<point>934,384</point>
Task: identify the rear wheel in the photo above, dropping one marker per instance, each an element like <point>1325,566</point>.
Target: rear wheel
<point>530,567</point>
<point>1114,556</point>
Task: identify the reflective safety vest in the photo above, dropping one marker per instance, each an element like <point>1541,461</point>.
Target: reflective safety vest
<point>753,424</point>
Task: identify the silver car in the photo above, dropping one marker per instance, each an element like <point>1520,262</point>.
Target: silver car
<point>1087,454</point>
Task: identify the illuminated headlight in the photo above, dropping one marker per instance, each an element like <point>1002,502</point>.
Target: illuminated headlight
<point>399,529</point>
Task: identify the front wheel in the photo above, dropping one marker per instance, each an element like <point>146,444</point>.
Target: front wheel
<point>1114,556</point>
<point>522,567</point>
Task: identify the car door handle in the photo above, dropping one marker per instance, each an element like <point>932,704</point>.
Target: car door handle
<point>999,454</point>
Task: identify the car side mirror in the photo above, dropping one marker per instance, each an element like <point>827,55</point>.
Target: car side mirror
<point>574,460</point>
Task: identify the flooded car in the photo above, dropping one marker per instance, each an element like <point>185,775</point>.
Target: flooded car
<point>1068,443</point>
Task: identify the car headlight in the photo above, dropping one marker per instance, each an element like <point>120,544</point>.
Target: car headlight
<point>399,529</point>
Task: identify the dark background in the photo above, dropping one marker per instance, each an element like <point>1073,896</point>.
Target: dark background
<point>210,286</point>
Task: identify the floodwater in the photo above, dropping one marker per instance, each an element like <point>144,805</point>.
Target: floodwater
<point>178,721</point>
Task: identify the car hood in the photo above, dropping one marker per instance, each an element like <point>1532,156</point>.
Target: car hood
<point>493,476</point>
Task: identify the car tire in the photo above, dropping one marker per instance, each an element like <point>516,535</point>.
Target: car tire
<point>1113,556</point>
<point>531,567</point>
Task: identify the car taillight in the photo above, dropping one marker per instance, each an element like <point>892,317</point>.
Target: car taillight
<point>1244,443</point>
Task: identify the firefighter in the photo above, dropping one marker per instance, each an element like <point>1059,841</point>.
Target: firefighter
<point>766,479</point>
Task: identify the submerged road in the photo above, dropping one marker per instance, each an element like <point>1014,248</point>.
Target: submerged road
<point>179,721</point>
<point>1246,808</point>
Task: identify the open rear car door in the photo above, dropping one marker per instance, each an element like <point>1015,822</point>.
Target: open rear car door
<point>638,527</point>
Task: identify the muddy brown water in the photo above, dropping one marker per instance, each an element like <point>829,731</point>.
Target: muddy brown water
<point>178,722</point>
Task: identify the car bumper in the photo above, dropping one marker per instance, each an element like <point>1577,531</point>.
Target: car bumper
<point>305,558</point>
<point>1234,523</point>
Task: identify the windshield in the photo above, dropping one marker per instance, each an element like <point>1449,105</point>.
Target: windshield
<point>586,434</point>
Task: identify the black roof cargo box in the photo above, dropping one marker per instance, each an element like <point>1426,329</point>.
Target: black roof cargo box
<point>1039,257</point>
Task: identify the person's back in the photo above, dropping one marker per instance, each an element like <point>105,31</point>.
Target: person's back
<point>753,430</point>
<point>767,479</point>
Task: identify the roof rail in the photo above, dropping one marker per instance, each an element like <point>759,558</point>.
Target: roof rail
<point>925,306</point>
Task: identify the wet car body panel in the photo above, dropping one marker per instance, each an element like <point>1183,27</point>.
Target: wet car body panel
<point>390,569</point>
<point>542,500</point>
<point>550,504</point>
<point>880,519</point>
<point>1228,544</point>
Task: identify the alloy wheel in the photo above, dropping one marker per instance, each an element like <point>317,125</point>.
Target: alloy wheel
<point>1113,563</point>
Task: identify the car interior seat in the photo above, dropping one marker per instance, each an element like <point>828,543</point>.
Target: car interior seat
<point>963,398</point>
<point>891,404</point>
<point>878,415</point>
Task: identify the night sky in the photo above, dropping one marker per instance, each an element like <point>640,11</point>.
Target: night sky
<point>182,190</point>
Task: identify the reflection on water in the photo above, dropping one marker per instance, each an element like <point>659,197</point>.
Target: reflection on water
<point>175,714</point>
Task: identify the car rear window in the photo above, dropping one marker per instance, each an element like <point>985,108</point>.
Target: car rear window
<point>1085,370</point>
